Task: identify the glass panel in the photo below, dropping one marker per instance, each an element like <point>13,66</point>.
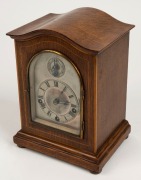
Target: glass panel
<point>55,92</point>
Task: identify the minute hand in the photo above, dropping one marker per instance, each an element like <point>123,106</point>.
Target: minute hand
<point>64,102</point>
<point>62,92</point>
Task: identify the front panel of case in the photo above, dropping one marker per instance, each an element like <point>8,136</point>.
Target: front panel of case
<point>57,108</point>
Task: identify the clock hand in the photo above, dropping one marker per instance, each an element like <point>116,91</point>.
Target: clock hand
<point>55,68</point>
<point>57,101</point>
<point>53,65</point>
<point>54,62</point>
<point>64,102</point>
<point>62,92</point>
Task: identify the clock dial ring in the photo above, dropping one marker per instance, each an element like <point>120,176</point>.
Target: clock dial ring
<point>58,101</point>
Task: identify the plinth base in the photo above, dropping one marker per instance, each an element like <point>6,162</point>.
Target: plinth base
<point>93,163</point>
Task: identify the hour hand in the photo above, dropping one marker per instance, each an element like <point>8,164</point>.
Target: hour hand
<point>63,90</point>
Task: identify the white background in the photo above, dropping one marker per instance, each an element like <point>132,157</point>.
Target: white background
<point>23,164</point>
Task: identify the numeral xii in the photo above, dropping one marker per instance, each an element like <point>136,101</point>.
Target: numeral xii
<point>55,83</point>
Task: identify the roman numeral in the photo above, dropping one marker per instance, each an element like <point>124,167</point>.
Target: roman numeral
<point>57,118</point>
<point>71,113</point>
<point>56,83</point>
<point>47,83</point>
<point>49,113</point>
<point>73,105</point>
<point>71,96</point>
<point>42,105</point>
<point>42,89</point>
<point>40,97</point>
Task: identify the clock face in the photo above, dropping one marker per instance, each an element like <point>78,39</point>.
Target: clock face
<point>58,101</point>
<point>55,92</point>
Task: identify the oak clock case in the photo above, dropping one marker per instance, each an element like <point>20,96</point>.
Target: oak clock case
<point>56,92</point>
<point>72,80</point>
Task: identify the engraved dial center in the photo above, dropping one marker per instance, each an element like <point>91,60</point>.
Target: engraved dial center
<point>57,101</point>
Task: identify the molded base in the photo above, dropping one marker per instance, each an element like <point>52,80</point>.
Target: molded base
<point>93,163</point>
<point>20,146</point>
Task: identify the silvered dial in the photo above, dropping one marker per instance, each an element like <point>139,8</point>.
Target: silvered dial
<point>55,92</point>
<point>58,101</point>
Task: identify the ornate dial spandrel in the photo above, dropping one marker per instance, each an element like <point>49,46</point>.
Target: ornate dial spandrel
<point>55,92</point>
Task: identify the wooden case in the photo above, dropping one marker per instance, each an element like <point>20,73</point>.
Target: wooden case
<point>98,46</point>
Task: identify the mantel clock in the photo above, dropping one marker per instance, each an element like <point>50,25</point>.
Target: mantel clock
<point>72,79</point>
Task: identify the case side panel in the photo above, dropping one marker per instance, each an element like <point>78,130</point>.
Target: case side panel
<point>112,67</point>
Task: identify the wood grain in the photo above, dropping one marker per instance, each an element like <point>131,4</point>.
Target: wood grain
<point>97,44</point>
<point>93,163</point>
<point>82,62</point>
<point>112,67</point>
<point>94,29</point>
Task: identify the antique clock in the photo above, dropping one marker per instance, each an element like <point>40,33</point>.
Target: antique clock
<point>72,79</point>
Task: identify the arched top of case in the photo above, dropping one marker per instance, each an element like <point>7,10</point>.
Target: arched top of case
<point>90,28</point>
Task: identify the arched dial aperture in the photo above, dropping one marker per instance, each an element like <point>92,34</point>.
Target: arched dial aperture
<point>58,101</point>
<point>55,92</point>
